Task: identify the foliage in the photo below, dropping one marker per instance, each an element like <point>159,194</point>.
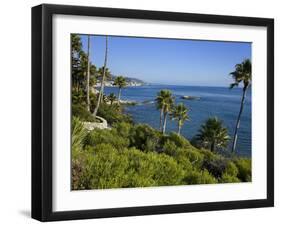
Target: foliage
<point>78,97</point>
<point>199,177</point>
<point>244,166</point>
<point>120,82</point>
<point>78,134</point>
<point>242,73</point>
<point>145,138</point>
<point>103,136</point>
<point>81,112</point>
<point>213,134</point>
<point>113,113</point>
<point>226,178</point>
<point>130,155</point>
<point>180,113</point>
<point>79,63</point>
<point>111,97</point>
<point>180,141</point>
<point>164,102</point>
<point>106,167</point>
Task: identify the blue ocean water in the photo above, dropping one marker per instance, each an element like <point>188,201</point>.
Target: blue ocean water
<point>215,101</point>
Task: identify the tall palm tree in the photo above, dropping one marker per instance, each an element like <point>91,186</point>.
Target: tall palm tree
<point>165,102</point>
<point>162,99</point>
<point>120,81</point>
<point>180,113</point>
<point>111,97</point>
<point>103,79</point>
<point>88,74</point>
<point>168,105</point>
<point>242,74</point>
<point>213,134</point>
<point>99,75</point>
<point>160,105</point>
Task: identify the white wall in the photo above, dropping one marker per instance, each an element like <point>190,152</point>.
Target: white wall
<point>15,111</point>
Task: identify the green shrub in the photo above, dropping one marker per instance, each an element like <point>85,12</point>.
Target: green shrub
<point>226,178</point>
<point>106,136</point>
<point>113,113</point>
<point>189,157</point>
<point>179,141</point>
<point>123,128</point>
<point>170,148</point>
<point>81,112</point>
<point>78,97</point>
<point>199,177</point>
<point>139,170</point>
<point>244,166</point>
<point>216,166</point>
<point>166,171</point>
<point>78,134</point>
<point>152,169</point>
<point>106,167</point>
<point>145,138</point>
<point>81,174</point>
<point>231,169</point>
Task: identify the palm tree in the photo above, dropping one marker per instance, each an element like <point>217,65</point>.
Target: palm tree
<point>180,113</point>
<point>168,105</point>
<point>160,105</point>
<point>103,79</point>
<point>165,102</point>
<point>242,74</point>
<point>120,81</point>
<point>213,134</point>
<point>111,97</point>
<point>99,75</point>
<point>88,74</point>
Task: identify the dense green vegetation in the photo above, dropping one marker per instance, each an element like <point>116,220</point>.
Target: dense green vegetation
<point>136,155</point>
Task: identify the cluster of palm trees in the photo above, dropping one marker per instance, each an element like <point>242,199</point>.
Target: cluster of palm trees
<point>166,104</point>
<point>212,134</point>
<point>104,74</point>
<point>119,82</point>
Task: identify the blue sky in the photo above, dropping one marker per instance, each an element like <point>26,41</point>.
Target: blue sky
<point>169,61</point>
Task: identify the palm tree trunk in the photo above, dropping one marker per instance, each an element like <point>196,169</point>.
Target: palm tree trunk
<point>179,128</point>
<point>161,119</point>
<point>119,95</point>
<point>88,75</point>
<point>165,122</point>
<point>238,120</point>
<point>103,79</point>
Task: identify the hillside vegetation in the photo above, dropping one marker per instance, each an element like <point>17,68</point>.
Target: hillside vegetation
<point>139,156</point>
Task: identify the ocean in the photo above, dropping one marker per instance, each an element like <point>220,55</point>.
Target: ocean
<point>214,101</point>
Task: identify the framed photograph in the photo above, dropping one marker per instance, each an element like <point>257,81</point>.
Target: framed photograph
<point>146,112</point>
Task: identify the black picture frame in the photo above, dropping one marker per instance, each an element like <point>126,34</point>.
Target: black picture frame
<point>42,111</point>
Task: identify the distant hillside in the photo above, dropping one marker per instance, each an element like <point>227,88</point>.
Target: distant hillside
<point>130,81</point>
